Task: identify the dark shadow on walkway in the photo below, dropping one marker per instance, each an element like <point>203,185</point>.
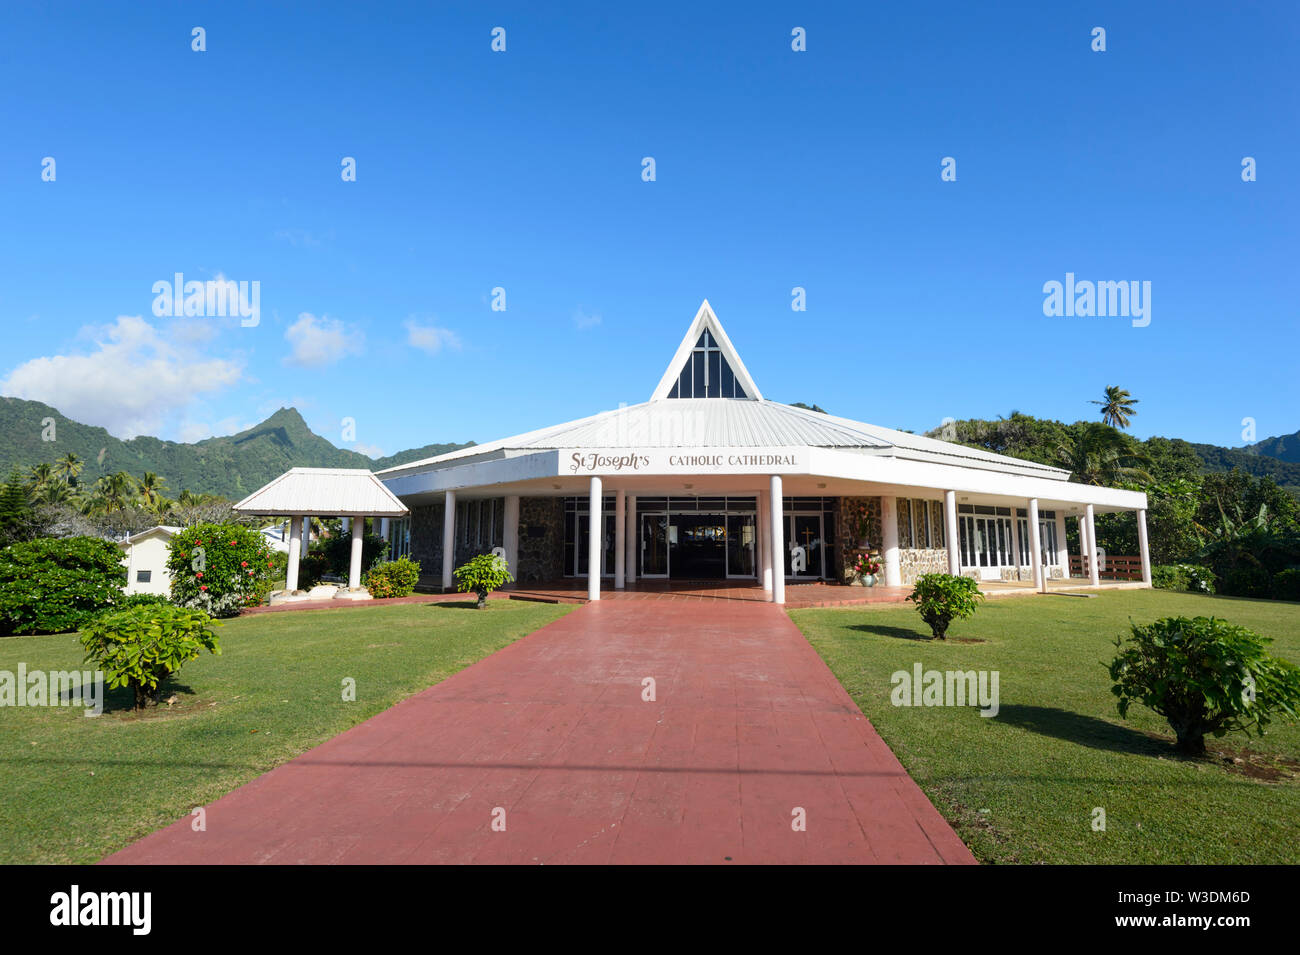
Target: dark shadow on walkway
<point>1084,730</point>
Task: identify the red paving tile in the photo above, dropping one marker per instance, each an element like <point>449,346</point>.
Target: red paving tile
<point>748,723</point>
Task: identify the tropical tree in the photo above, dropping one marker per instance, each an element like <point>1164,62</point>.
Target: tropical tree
<point>38,477</point>
<point>1117,407</point>
<point>1097,454</point>
<point>114,492</point>
<point>151,487</point>
<point>68,467</point>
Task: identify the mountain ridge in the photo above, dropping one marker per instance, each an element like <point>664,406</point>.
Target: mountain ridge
<point>231,465</point>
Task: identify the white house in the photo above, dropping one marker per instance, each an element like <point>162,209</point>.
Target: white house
<point>710,479</point>
<point>145,558</point>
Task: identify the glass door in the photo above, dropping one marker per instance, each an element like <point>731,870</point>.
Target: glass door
<point>741,536</point>
<point>607,546</point>
<point>654,545</point>
<point>803,546</point>
<point>698,545</point>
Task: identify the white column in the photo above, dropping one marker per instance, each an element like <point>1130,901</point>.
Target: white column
<point>889,541</point>
<point>1083,544</point>
<point>778,541</point>
<point>764,520</point>
<point>1015,538</point>
<point>950,531</point>
<point>629,561</point>
<point>295,553</point>
<point>343,524</point>
<point>596,518</point>
<point>1144,548</point>
<point>448,540</point>
<point>620,538</point>
<point>1094,572</point>
<point>354,565</point>
<point>1062,548</point>
<point>510,534</point>
<point>383,527</point>
<point>306,533</point>
<point>1036,547</point>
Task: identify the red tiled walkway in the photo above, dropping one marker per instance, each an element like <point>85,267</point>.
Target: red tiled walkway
<point>748,724</point>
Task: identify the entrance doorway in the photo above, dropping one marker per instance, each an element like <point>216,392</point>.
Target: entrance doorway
<point>697,546</point>
<point>805,550</point>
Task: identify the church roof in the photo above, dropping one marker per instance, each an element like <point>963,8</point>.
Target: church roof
<point>668,420</point>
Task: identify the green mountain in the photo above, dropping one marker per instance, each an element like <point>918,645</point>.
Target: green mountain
<point>1282,469</point>
<point>1285,448</point>
<point>233,465</point>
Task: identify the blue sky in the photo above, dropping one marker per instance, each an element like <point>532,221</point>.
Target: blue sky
<point>522,170</point>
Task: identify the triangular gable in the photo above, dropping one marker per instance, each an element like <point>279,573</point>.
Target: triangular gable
<point>706,364</point>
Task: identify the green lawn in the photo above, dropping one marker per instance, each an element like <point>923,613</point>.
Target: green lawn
<point>73,789</point>
<point>1022,786</point>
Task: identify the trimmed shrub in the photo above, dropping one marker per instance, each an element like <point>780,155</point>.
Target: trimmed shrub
<point>393,578</point>
<point>1193,578</point>
<point>220,568</point>
<point>943,598</point>
<point>142,646</point>
<point>142,600</point>
<point>312,567</point>
<point>53,585</point>
<point>1203,675</point>
<point>336,550</point>
<point>1246,582</point>
<point>1286,584</point>
<point>481,575</point>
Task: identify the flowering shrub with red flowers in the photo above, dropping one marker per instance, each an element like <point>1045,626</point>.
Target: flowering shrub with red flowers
<point>867,565</point>
<point>220,568</point>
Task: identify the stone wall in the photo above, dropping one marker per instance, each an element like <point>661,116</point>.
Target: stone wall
<point>1027,573</point>
<point>426,542</point>
<point>541,539</point>
<point>914,562</point>
<point>848,548</point>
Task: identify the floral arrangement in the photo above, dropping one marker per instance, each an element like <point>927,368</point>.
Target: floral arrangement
<point>859,520</point>
<point>868,565</point>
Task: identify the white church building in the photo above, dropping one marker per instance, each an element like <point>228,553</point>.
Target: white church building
<point>710,480</point>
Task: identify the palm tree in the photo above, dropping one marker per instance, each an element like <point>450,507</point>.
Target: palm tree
<point>1101,456</point>
<point>39,476</point>
<point>68,467</point>
<point>1117,407</point>
<point>151,488</point>
<point>54,492</point>
<point>117,490</point>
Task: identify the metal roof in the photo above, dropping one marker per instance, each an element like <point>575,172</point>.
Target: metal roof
<point>751,422</point>
<point>730,423</point>
<point>327,492</point>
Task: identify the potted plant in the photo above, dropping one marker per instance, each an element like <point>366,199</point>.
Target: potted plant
<point>866,569</point>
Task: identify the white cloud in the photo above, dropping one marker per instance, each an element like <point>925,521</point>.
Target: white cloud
<point>132,382</point>
<point>584,320</point>
<point>430,338</point>
<point>317,342</point>
<point>369,450</point>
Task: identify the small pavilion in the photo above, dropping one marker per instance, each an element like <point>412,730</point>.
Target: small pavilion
<point>303,493</point>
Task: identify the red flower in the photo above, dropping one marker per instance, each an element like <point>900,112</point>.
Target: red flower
<point>243,563</point>
<point>198,575</point>
<point>204,587</point>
